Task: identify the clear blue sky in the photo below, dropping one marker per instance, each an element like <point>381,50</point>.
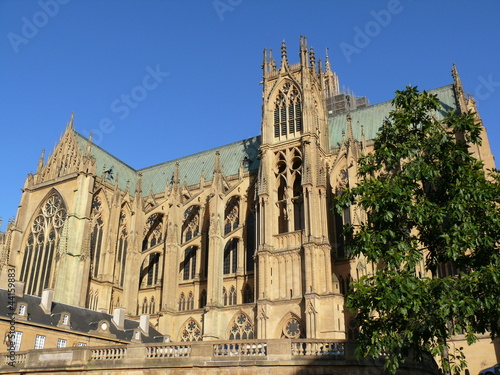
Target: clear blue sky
<point>85,56</point>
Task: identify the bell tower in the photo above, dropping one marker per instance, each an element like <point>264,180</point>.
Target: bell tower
<point>294,253</point>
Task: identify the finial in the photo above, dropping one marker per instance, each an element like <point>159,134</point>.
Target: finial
<point>41,161</point>
<point>349,126</point>
<point>271,60</point>
<point>217,162</point>
<point>284,58</point>
<point>176,174</point>
<point>89,143</point>
<point>312,58</point>
<point>328,67</point>
<point>70,123</point>
<point>265,61</point>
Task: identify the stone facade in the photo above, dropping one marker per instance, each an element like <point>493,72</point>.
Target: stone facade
<point>239,242</point>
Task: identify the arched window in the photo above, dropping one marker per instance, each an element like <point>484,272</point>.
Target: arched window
<point>247,294</point>
<point>224,296</point>
<point>43,239</point>
<point>189,264</point>
<point>190,301</point>
<point>203,298</point>
<point>152,306</point>
<point>231,215</point>
<point>241,328</point>
<point>122,247</point>
<point>182,302</point>
<point>152,231</point>
<point>191,226</point>
<point>287,111</point>
<point>144,306</point>
<point>191,331</point>
<point>232,296</point>
<point>231,257</point>
<point>149,270</point>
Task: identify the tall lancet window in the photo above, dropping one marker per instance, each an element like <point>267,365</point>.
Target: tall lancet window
<point>41,245</point>
<point>96,237</point>
<point>121,251</point>
<point>287,111</point>
<point>290,200</point>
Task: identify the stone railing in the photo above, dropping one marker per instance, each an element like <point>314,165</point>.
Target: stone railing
<point>244,348</point>
<point>168,350</point>
<point>198,356</point>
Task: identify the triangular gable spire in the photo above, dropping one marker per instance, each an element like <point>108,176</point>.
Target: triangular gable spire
<point>459,89</point>
<point>284,57</point>
<point>40,162</point>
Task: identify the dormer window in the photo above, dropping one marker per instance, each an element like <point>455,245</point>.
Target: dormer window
<point>65,319</point>
<point>22,310</point>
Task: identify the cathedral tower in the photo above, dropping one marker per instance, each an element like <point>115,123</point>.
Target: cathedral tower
<point>295,280</point>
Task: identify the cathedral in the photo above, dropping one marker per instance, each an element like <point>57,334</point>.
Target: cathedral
<point>238,242</point>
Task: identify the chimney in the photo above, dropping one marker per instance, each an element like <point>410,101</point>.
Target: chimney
<point>144,324</point>
<point>46,302</point>
<point>119,317</point>
<point>19,289</point>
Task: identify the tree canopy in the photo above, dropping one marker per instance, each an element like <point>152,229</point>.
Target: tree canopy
<point>432,230</point>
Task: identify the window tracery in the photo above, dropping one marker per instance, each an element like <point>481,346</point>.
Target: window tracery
<point>231,216</point>
<point>287,111</point>
<point>191,227</point>
<point>191,331</point>
<point>292,329</point>
<point>42,241</point>
<point>241,328</point>
<point>182,302</point>
<point>153,232</point>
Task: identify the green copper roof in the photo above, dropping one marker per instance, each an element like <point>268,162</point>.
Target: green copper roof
<point>372,117</point>
<point>191,167</point>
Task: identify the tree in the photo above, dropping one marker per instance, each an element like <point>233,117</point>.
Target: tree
<point>430,206</point>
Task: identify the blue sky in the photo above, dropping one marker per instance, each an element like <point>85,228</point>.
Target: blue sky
<point>203,60</point>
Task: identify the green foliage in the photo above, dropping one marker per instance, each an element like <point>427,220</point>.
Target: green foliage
<point>429,204</point>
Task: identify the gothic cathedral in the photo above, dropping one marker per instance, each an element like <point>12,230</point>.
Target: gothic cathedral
<point>238,242</point>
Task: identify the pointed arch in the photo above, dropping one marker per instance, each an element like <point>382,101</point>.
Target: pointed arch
<point>247,294</point>
<point>153,231</point>
<point>122,244</point>
<point>190,331</point>
<point>287,115</point>
<point>241,327</point>
<point>230,260</point>
<point>290,327</point>
<point>41,243</point>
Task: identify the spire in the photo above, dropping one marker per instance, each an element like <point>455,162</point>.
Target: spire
<point>459,89</point>
<point>312,58</point>
<point>175,177</point>
<point>265,63</point>
<point>217,162</point>
<point>40,162</point>
<point>89,144</point>
<point>303,51</point>
<point>284,57</point>
<point>70,122</point>
<point>328,67</point>
<point>349,127</point>
<point>138,189</point>
<point>271,60</point>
